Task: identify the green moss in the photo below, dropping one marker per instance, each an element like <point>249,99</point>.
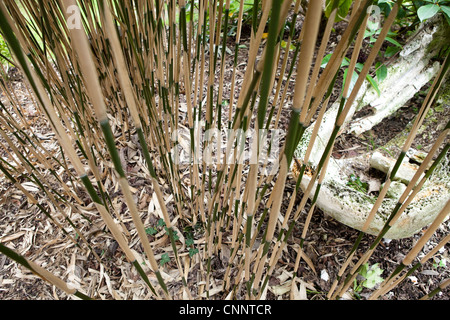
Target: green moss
<point>301,148</point>
<point>439,47</point>
<point>443,97</point>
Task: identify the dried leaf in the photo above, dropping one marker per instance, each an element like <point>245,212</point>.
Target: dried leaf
<point>281,289</point>
<point>12,237</point>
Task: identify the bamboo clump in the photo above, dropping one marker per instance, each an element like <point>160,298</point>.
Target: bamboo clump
<point>134,74</point>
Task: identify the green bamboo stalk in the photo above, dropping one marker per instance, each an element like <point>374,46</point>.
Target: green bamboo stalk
<point>146,71</point>
<point>94,90</point>
<point>394,279</point>
<point>397,211</point>
<point>403,202</point>
<point>311,23</point>
<point>401,205</point>
<point>329,73</point>
<point>235,61</point>
<point>444,284</point>
<point>130,99</point>
<point>267,75</point>
<point>60,133</point>
<point>42,273</point>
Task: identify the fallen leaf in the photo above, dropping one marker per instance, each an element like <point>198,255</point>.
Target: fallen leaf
<point>324,275</point>
<point>374,185</point>
<point>281,289</point>
<point>12,237</point>
<point>430,272</point>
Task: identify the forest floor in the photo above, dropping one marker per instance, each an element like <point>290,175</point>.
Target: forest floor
<point>25,229</point>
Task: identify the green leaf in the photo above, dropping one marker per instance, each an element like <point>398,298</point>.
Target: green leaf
<point>359,66</point>
<point>353,80</point>
<point>164,259</point>
<point>368,33</point>
<point>355,183</point>
<point>381,73</point>
<point>192,251</point>
<point>174,233</point>
<point>374,84</point>
<point>151,231</point>
<point>325,60</point>
<point>284,43</point>
<point>447,18</point>
<point>364,269</point>
<point>427,11</point>
<point>373,276</point>
<point>446,10</point>
<point>394,42</point>
<point>343,8</point>
<point>189,241</point>
<point>345,62</point>
<point>390,51</point>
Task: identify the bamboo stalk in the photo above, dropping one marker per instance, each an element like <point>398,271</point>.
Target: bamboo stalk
<point>395,279</point>
<point>311,22</point>
<point>444,284</point>
<point>93,87</point>
<point>42,273</point>
<point>400,207</point>
<point>144,61</point>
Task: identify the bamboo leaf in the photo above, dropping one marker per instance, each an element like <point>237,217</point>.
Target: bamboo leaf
<point>381,72</point>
